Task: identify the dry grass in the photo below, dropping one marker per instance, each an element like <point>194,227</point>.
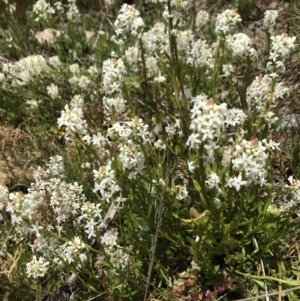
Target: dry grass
<point>20,152</point>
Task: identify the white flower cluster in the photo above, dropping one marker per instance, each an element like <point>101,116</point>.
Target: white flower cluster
<point>138,129</point>
<point>113,76</point>
<point>77,80</point>
<point>156,39</point>
<point>184,38</point>
<point>110,237</point>
<point>132,158</point>
<point>227,70</point>
<point>239,44</point>
<point>174,10</point>
<point>151,66</point>
<point>74,68</point>
<point>201,18</point>
<point>99,142</point>
<point>132,57</point>
<point>180,192</point>
<point>153,70</point>
<point>196,52</point>
<point>251,158</point>
<point>37,267</point>
<point>55,167</point>
<point>213,182</point>
<point>73,12</point>
<point>93,71</point>
<point>25,70</point>
<point>226,21</point>
<point>281,47</point>
<point>207,121</point>
<point>43,10</point>
<point>15,207</point>
<point>3,196</point>
<point>127,137</point>
<point>53,91</point>
<point>54,61</point>
<point>270,19</point>
<point>105,182</point>
<point>116,104</point>
<point>132,130</point>
<point>11,7</point>
<point>91,216</point>
<point>159,145</point>
<point>128,21</point>
<point>118,258</point>
<point>200,54</point>
<point>155,42</point>
<point>262,91</point>
<point>235,117</point>
<point>294,189</point>
<point>72,117</point>
<point>173,129</point>
<point>73,250</point>
<point>49,206</point>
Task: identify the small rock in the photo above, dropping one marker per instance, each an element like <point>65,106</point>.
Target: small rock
<point>47,35</point>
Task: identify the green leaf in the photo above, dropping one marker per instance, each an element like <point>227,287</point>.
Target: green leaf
<point>259,207</point>
<point>197,185</point>
<point>259,282</point>
<point>149,210</point>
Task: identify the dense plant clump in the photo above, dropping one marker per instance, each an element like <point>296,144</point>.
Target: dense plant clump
<point>173,127</point>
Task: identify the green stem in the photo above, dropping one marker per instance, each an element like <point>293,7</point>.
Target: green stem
<point>202,174</point>
<point>176,75</point>
<point>289,282</point>
<point>145,84</point>
<point>215,76</point>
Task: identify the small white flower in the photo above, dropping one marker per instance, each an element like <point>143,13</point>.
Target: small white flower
<point>193,140</point>
<point>213,181</point>
<point>180,191</point>
<point>191,166</point>
<point>236,182</point>
<point>159,79</point>
<point>159,144</point>
<point>227,69</point>
<point>119,259</point>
